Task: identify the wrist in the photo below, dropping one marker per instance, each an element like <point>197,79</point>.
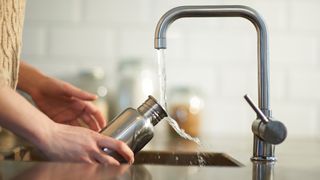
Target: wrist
<point>44,136</point>
<point>30,79</point>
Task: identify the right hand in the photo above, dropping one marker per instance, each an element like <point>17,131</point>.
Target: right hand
<point>78,144</point>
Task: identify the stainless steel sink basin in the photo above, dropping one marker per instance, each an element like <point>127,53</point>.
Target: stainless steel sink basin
<point>185,158</point>
<point>173,158</point>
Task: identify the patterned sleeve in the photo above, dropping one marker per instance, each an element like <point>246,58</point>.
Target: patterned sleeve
<point>4,81</point>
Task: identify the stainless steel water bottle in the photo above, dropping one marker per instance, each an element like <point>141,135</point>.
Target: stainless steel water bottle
<point>134,126</point>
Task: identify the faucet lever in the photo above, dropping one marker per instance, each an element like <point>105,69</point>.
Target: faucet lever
<point>256,109</point>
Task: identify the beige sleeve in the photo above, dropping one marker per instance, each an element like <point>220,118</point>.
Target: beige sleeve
<point>11,23</point>
<point>4,81</point>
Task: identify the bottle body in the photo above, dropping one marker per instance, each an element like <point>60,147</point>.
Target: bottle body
<point>134,126</point>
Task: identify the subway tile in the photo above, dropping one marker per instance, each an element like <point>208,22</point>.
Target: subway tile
<point>304,84</point>
<point>278,84</point>
<point>125,11</point>
<point>81,42</point>
<point>226,117</point>
<point>34,41</point>
<point>221,47</point>
<point>136,43</point>
<point>305,15</point>
<point>57,10</point>
<point>237,81</point>
<point>191,74</point>
<point>56,67</point>
<point>300,118</point>
<point>292,49</point>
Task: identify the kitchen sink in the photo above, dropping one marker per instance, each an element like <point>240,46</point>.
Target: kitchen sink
<point>173,158</point>
<point>185,158</point>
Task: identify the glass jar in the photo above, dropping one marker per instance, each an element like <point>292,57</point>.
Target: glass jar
<point>137,80</point>
<point>185,106</point>
<point>93,80</point>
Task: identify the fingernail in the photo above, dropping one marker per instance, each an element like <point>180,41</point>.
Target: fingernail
<point>131,161</point>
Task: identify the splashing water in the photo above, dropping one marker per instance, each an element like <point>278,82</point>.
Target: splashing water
<point>163,98</point>
<point>181,132</point>
<point>201,160</point>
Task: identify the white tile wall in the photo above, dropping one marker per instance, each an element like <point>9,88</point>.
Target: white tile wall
<point>35,41</point>
<point>136,42</point>
<point>58,10</point>
<point>216,55</point>
<point>73,41</point>
<point>114,11</point>
<point>304,15</point>
<point>303,85</point>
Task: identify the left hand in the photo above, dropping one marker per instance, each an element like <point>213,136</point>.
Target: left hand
<point>59,100</point>
<point>64,103</point>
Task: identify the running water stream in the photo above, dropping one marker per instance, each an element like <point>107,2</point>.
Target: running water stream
<point>163,98</point>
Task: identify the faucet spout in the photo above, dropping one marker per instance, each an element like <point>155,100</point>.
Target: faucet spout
<point>262,150</point>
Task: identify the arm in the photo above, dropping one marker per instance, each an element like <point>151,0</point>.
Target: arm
<point>18,115</point>
<point>57,141</point>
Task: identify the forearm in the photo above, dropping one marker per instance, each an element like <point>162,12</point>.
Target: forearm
<point>30,78</point>
<point>19,116</point>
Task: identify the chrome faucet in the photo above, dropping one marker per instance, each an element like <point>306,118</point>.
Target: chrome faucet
<point>264,136</point>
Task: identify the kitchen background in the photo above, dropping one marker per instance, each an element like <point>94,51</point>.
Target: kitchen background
<point>216,56</point>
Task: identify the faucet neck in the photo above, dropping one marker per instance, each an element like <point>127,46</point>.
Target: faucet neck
<point>225,11</point>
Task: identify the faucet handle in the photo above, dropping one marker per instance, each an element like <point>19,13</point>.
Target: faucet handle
<point>271,131</point>
<point>256,109</point>
<point>274,132</point>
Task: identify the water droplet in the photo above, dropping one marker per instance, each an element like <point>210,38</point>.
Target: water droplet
<point>177,158</point>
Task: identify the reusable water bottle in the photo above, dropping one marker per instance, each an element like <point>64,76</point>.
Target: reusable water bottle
<point>134,126</point>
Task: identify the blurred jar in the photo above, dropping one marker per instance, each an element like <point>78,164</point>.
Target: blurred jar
<point>94,81</point>
<point>185,106</point>
<point>137,80</point>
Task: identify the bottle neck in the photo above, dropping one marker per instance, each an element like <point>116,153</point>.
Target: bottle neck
<point>151,109</point>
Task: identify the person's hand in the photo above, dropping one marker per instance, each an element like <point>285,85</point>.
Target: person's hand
<point>78,144</point>
<point>59,100</point>
<point>66,104</point>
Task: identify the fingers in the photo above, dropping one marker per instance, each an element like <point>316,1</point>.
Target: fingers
<point>73,91</point>
<point>86,160</point>
<point>90,114</point>
<point>105,159</point>
<point>118,146</point>
<point>70,111</point>
<point>94,111</point>
<point>91,122</point>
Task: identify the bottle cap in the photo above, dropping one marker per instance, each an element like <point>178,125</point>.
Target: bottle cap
<point>151,108</point>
